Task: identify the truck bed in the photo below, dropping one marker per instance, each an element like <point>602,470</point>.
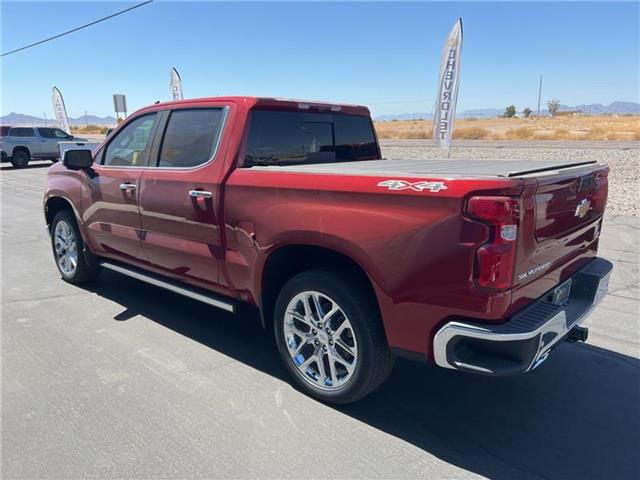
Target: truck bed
<point>431,168</point>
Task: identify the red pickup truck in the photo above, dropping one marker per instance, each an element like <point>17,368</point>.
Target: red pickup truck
<point>288,207</point>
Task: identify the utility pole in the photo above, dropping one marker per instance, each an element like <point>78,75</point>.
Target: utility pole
<point>44,114</point>
<point>86,119</point>
<point>539,94</point>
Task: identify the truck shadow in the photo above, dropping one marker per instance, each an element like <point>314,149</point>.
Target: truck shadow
<point>577,416</point>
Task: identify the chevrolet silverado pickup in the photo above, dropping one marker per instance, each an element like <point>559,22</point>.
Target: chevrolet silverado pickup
<point>287,208</point>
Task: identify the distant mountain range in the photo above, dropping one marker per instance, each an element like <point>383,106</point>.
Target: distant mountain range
<point>22,119</point>
<point>619,108</point>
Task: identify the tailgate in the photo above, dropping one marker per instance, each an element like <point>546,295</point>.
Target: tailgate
<point>560,226</point>
<point>568,203</point>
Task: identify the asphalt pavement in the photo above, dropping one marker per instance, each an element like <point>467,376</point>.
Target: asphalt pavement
<point>123,380</point>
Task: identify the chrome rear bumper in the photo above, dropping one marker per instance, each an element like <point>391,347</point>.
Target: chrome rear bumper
<point>526,339</point>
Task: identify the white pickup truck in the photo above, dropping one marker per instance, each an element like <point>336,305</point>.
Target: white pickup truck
<point>21,144</point>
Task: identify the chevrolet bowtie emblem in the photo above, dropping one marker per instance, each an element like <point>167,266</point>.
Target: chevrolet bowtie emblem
<point>583,208</point>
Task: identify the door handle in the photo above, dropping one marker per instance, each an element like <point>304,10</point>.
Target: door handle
<point>200,194</point>
<point>127,187</point>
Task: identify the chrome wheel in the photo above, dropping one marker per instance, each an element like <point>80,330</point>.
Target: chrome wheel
<point>64,240</point>
<point>320,340</point>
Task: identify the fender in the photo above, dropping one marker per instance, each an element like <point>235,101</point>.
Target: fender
<point>67,185</point>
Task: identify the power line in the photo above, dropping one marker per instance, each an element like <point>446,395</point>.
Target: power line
<point>76,29</point>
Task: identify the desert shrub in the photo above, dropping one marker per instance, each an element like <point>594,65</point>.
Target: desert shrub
<point>562,134</point>
<point>522,133</point>
<point>596,133</point>
<point>471,133</point>
<point>89,129</point>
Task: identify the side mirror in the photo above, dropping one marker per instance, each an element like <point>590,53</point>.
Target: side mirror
<point>78,159</point>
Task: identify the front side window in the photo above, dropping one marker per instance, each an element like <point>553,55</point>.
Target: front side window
<point>293,138</point>
<point>130,148</point>
<point>53,133</point>
<point>190,137</point>
<point>60,134</point>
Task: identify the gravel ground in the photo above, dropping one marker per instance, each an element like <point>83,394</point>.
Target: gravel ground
<point>624,177</point>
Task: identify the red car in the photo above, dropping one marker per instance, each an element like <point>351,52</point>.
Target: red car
<point>288,207</point>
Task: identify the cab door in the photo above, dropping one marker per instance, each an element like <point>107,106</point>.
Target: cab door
<point>112,214</point>
<point>180,196</point>
<point>48,141</point>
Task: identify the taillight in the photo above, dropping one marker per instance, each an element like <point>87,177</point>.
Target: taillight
<point>496,258</point>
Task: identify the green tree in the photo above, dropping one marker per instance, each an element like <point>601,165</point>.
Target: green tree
<point>553,106</point>
<point>526,112</point>
<point>510,111</point>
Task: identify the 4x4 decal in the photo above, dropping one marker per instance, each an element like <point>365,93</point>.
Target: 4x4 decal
<point>416,186</point>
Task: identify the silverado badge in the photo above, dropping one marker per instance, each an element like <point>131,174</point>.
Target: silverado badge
<point>583,208</point>
<point>416,186</point>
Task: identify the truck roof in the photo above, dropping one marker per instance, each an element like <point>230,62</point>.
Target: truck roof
<point>276,102</point>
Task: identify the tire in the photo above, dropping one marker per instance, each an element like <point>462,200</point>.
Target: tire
<point>358,351</point>
<point>68,249</point>
<point>20,159</point>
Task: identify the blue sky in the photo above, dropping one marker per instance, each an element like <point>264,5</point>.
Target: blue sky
<point>384,55</point>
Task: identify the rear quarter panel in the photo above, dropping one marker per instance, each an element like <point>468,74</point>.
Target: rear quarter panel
<point>415,247</point>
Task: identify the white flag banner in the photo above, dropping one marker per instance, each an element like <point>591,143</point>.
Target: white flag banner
<point>448,84</point>
<point>176,85</point>
<point>59,110</point>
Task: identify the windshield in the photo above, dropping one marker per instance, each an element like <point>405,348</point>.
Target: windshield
<point>297,138</point>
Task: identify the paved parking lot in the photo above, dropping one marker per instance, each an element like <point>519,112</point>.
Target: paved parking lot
<point>124,380</point>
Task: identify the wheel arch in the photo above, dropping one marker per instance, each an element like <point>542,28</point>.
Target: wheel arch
<point>289,260</point>
<point>53,206</point>
<point>20,148</point>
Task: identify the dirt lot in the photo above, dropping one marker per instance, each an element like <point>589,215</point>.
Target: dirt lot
<point>544,128</point>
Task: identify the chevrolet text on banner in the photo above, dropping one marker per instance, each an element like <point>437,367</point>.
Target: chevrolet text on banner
<point>59,110</point>
<point>176,85</point>
<point>449,82</point>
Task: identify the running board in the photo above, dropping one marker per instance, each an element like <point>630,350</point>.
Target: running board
<point>186,291</point>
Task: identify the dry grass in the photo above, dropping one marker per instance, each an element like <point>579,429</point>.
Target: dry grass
<point>89,129</point>
<point>471,133</point>
<point>606,127</point>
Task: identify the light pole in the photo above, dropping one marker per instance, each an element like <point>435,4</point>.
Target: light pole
<point>539,94</point>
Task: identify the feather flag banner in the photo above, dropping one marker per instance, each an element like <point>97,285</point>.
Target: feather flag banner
<point>59,110</point>
<point>448,83</point>
<point>176,85</point>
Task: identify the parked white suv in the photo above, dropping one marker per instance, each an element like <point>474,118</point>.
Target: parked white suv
<point>21,144</point>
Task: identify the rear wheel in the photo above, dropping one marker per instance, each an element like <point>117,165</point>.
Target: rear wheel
<point>330,336</point>
<point>67,246</point>
<point>20,159</point>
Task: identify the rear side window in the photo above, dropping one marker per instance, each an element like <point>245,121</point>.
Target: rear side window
<point>130,147</point>
<point>293,138</point>
<point>4,131</point>
<point>21,132</point>
<point>191,137</point>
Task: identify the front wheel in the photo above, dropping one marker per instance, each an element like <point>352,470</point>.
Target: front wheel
<point>66,243</point>
<point>330,336</point>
